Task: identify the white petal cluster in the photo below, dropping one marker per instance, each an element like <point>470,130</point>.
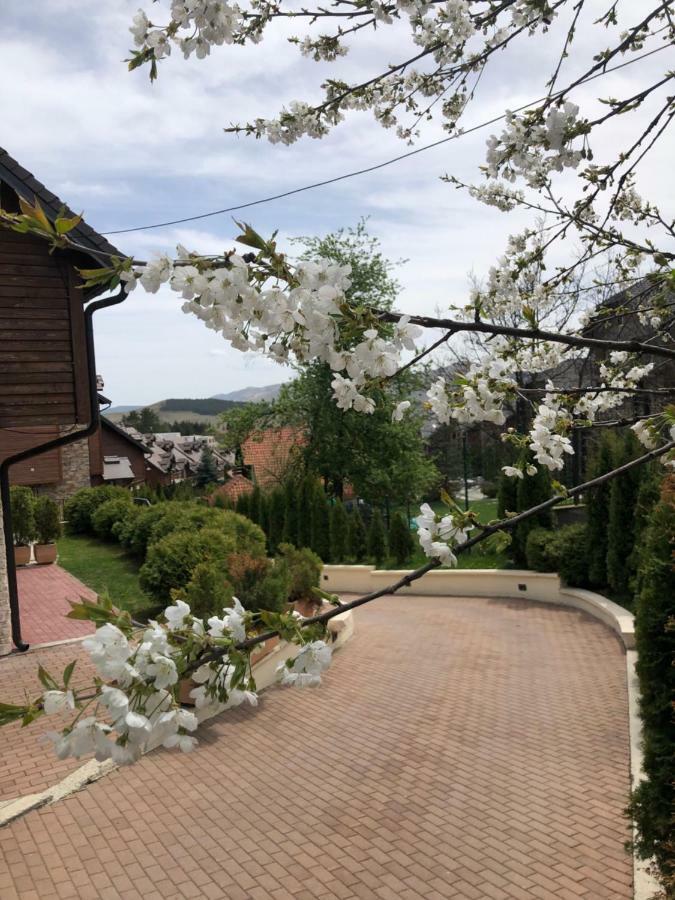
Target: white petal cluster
<point>548,443</point>
<point>308,665</point>
<point>439,535</point>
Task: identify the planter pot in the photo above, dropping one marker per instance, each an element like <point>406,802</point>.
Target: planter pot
<point>45,553</point>
<point>21,554</point>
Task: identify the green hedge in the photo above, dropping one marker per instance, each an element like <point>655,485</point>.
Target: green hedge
<point>80,508</point>
<point>564,551</point>
<point>110,514</point>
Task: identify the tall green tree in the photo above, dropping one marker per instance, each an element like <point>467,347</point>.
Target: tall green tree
<point>401,541</point>
<point>207,470</point>
<point>597,510</point>
<point>145,420</point>
<point>276,511</point>
<point>291,512</point>
<point>357,542</point>
<point>320,542</point>
<point>531,490</point>
<point>377,537</point>
<point>623,496</point>
<point>339,525</point>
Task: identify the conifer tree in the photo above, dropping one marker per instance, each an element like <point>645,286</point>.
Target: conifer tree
<point>401,542</point>
<point>377,537</point>
<point>256,506</point>
<point>339,524</point>
<point>291,512</point>
<point>243,505</point>
<point>207,470</point>
<point>357,542</point>
<point>320,537</point>
<point>530,490</point>
<point>623,496</point>
<point>276,510</point>
<point>305,511</point>
<point>597,511</point>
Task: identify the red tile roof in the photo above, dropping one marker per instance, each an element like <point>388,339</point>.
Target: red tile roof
<point>232,489</point>
<point>270,453</point>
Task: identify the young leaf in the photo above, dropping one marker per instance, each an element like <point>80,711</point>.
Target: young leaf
<point>67,673</point>
<point>10,713</point>
<point>46,680</point>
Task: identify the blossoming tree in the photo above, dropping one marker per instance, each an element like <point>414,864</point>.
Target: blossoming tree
<point>260,301</point>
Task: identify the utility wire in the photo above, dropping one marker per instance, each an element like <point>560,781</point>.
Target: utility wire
<point>374,168</point>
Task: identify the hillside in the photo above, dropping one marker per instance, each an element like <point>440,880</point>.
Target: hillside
<point>186,409</point>
<point>252,394</point>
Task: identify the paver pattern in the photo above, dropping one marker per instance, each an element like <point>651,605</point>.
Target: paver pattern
<point>457,749</point>
<point>27,761</point>
<point>44,592</point>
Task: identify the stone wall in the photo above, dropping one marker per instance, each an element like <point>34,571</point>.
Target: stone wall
<point>5,618</point>
<point>75,471</point>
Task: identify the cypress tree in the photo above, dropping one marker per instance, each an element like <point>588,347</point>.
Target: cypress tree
<point>339,524</point>
<point>320,538</point>
<point>357,542</point>
<point>597,511</point>
<point>275,519</point>
<point>255,506</point>
<point>506,495</point>
<point>401,543</point>
<point>243,505</point>
<point>377,537</point>
<point>623,495</point>
<point>654,799</point>
<point>306,504</point>
<point>291,513</point>
<point>531,490</point>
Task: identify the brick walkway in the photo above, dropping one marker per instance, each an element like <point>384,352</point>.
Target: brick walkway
<point>458,749</point>
<point>44,592</point>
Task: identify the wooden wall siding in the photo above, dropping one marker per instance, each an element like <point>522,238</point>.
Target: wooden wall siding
<point>43,469</point>
<point>43,355</point>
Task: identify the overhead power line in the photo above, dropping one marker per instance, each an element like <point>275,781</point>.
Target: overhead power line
<point>373,168</point>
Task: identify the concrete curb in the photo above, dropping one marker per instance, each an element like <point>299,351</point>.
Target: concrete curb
<point>265,673</point>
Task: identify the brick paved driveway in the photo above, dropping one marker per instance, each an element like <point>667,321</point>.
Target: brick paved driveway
<point>458,749</point>
<point>44,592</point>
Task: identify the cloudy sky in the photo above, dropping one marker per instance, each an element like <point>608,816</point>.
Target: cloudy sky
<point>129,153</point>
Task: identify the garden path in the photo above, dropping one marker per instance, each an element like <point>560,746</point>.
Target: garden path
<point>459,748</point>
<point>44,592</point>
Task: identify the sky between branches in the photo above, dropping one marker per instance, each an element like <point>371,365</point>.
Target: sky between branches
<point>127,153</point>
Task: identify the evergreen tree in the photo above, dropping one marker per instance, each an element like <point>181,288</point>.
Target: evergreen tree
<point>377,538</point>
<point>320,541</point>
<point>357,542</point>
<point>306,509</point>
<point>255,513</point>
<point>276,509</point>
<point>597,510</point>
<point>530,490</point>
<point>291,512</point>
<point>401,543</point>
<point>207,470</point>
<point>623,496</point>
<point>654,799</point>
<point>243,505</point>
<point>507,496</point>
<point>339,525</point>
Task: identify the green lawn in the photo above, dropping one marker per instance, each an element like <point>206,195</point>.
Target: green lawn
<point>103,568</point>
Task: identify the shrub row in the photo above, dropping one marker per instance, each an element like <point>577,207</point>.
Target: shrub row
<point>564,551</point>
<point>33,518</point>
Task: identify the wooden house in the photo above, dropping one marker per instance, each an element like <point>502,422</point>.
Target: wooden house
<point>48,396</point>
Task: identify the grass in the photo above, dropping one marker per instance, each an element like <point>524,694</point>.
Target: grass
<point>103,567</point>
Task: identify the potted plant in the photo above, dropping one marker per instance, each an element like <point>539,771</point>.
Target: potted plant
<point>48,529</point>
<point>22,508</point>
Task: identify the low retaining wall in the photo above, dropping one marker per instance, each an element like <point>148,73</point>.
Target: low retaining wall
<point>507,583</point>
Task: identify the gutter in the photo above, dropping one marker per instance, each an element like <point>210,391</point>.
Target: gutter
<point>94,421</point>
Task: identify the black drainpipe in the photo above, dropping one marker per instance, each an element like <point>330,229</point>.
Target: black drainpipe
<point>94,420</point>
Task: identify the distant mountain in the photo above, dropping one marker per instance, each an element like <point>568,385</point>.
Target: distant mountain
<point>121,410</point>
<point>251,394</point>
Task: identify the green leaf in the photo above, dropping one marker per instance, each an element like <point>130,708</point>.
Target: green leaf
<point>63,226</point>
<point>31,714</point>
<point>46,679</point>
<point>10,713</point>
<point>67,673</point>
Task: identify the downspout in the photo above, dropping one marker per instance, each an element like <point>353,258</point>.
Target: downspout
<point>94,421</point>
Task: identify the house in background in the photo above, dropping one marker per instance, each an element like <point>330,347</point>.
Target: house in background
<point>48,387</point>
<point>172,457</point>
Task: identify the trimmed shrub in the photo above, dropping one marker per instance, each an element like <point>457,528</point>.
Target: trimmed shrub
<point>80,508</point>
<point>109,514</point>
<point>208,591</point>
<point>401,542</point>
<point>573,547</point>
<point>22,508</point>
<point>258,583</point>
<point>339,524</point>
<point>171,561</point>
<point>243,504</point>
<point>47,520</point>
<point>305,569</point>
<point>490,489</point>
<point>654,799</point>
<point>136,533</point>
<point>377,537</point>
<point>357,542</point>
<point>542,550</point>
<point>256,512</point>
